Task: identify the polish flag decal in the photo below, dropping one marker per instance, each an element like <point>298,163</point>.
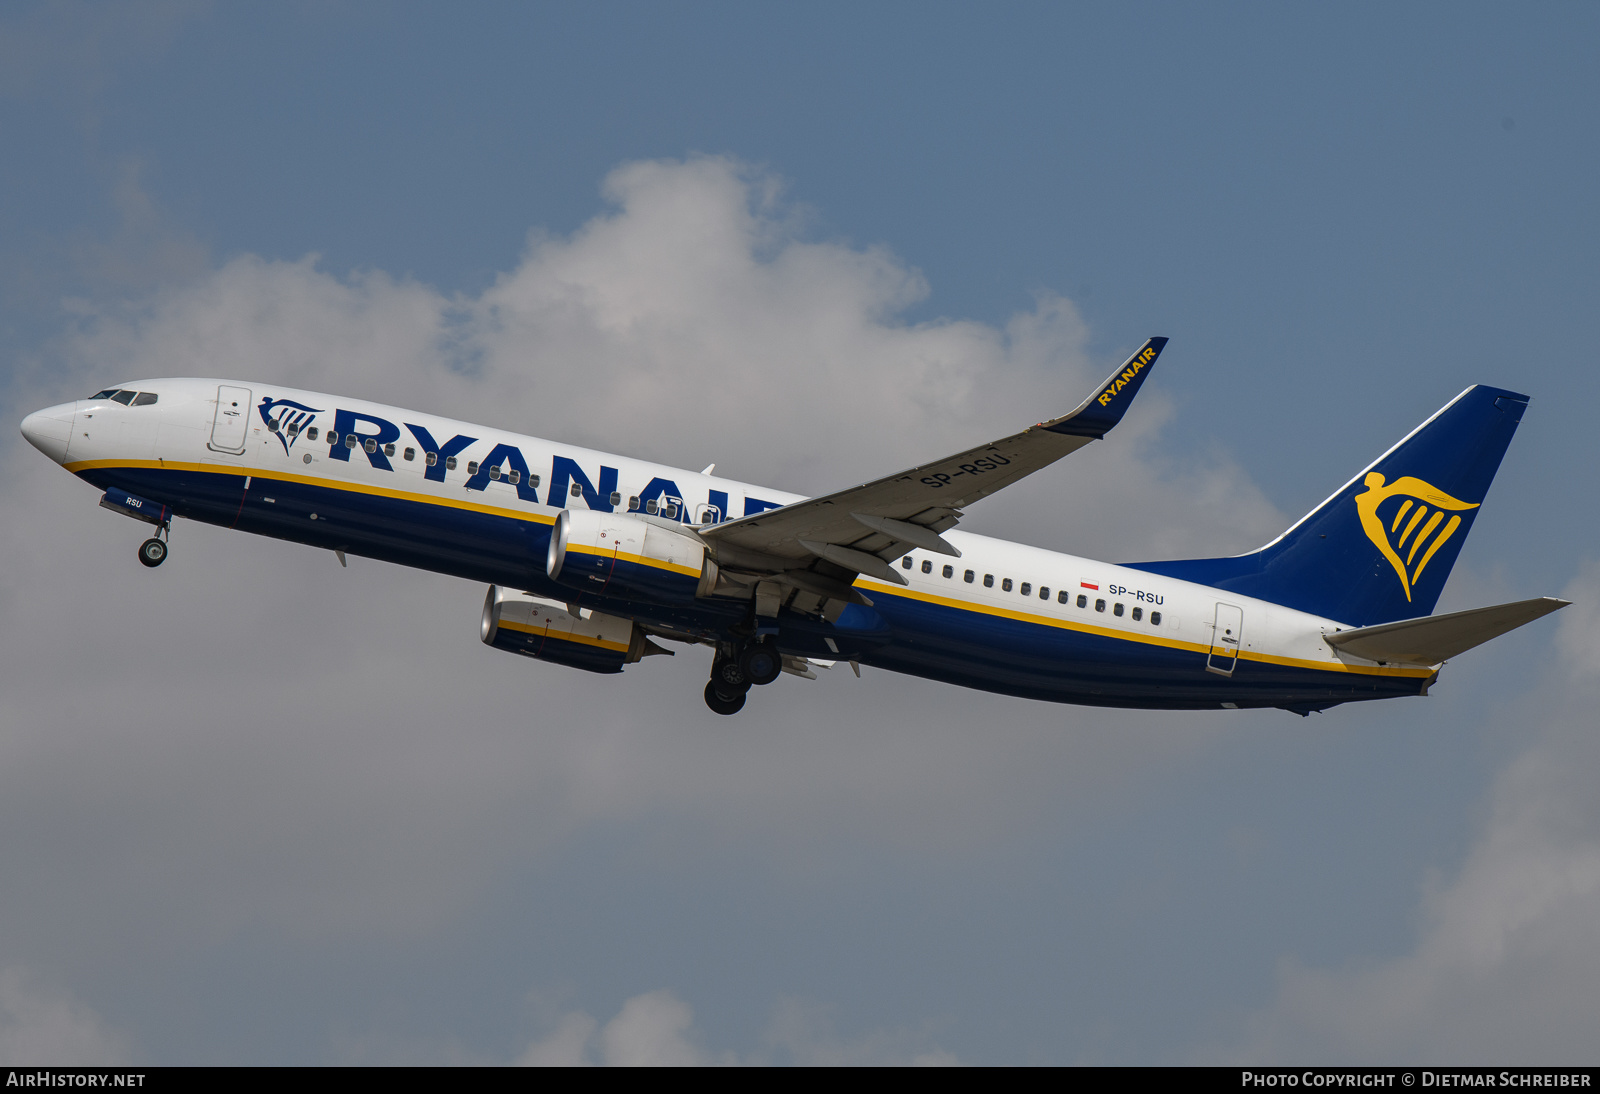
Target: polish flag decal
<point>1086,585</point>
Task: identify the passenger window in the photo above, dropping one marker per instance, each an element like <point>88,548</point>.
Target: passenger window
<point>449,462</point>
<point>1155,619</point>
<point>1138,614</point>
<point>371,445</point>
<point>1005,584</point>
<point>671,508</point>
<point>949,571</point>
<point>1044,592</point>
<point>411,454</point>
<point>294,428</point>
<point>515,477</point>
<point>145,398</point>
<point>616,498</point>
<point>633,500</point>
<point>1099,605</point>
<point>1063,596</point>
<point>927,566</point>
<point>272,425</point>
<point>651,507</point>
<point>431,459</point>
<point>124,397</point>
<point>1027,588</point>
<point>533,480</point>
<point>388,450</point>
<point>333,438</point>
<point>494,472</point>
<point>1083,601</point>
<point>1116,609</point>
<point>968,577</point>
<point>905,563</point>
<point>988,581</point>
<point>472,467</point>
<point>576,490</point>
<point>351,440</point>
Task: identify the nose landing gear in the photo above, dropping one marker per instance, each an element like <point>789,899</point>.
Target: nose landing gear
<point>153,551</point>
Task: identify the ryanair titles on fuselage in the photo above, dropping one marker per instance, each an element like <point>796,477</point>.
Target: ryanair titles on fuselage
<point>376,438</point>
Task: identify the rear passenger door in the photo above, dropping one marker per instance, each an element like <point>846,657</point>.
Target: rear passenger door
<point>1227,631</point>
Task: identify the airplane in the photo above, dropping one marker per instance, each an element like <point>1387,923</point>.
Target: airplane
<point>592,560</point>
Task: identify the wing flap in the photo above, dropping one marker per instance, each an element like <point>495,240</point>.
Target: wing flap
<point>1435,638</point>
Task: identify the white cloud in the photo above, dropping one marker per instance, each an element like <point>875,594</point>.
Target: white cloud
<point>45,1028</point>
<point>565,1046</point>
<point>1507,965</point>
<point>652,1030</point>
<point>656,1029</point>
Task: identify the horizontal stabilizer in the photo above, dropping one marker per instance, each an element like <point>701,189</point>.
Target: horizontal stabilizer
<point>1436,638</point>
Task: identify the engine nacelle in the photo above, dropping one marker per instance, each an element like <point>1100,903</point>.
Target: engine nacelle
<point>534,627</point>
<point>629,555</point>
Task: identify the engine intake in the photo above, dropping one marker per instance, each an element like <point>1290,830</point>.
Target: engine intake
<point>543,629</point>
<point>628,555</point>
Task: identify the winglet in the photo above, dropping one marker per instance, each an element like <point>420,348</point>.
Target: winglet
<point>1105,407</point>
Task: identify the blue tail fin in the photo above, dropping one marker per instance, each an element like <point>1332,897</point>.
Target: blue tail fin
<point>1381,548</point>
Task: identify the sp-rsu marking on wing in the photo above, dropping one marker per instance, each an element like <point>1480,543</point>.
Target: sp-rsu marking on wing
<point>981,466</point>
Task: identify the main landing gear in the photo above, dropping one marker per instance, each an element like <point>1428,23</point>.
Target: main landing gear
<point>757,662</point>
<point>153,551</point>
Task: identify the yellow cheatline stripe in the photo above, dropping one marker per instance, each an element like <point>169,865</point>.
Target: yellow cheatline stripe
<point>641,560</point>
<point>580,639</point>
<point>309,480</point>
<point>884,589</point>
<point>1146,639</point>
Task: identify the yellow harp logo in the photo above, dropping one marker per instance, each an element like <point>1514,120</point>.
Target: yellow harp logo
<point>1415,520</point>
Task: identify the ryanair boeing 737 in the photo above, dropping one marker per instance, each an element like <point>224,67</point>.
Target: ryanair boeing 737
<point>591,558</point>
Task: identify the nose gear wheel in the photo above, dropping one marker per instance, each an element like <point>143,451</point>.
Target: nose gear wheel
<point>152,552</point>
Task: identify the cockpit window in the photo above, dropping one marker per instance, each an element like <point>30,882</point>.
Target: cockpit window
<point>125,397</point>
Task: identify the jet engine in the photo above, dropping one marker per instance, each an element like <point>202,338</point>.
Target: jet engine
<point>629,555</point>
<point>539,628</point>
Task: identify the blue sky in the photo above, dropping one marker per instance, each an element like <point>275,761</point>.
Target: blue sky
<point>1341,216</point>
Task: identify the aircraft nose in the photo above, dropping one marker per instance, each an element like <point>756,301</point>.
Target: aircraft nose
<point>50,429</point>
